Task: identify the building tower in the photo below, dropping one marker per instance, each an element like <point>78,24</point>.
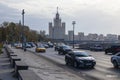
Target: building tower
<point>57,29</point>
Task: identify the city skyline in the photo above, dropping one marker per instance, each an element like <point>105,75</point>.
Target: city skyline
<point>96,16</point>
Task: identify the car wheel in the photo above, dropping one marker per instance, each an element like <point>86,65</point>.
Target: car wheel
<point>115,64</point>
<point>75,64</point>
<point>92,66</point>
<point>105,52</point>
<point>66,61</point>
<point>59,52</point>
<point>55,49</point>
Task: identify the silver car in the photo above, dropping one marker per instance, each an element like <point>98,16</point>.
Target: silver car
<point>115,59</point>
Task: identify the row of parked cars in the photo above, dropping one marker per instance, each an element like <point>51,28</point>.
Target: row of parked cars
<point>39,47</point>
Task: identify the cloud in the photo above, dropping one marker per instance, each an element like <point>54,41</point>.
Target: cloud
<point>91,16</point>
<point>7,13</point>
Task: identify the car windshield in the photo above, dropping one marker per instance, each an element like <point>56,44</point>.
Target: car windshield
<point>66,47</point>
<point>40,46</point>
<point>81,54</point>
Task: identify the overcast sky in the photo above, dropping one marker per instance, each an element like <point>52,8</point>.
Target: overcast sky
<point>91,16</point>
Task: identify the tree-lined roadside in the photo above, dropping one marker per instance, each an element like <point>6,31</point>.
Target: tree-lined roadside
<point>1,46</point>
<point>12,32</point>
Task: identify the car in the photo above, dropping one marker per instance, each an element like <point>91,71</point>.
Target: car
<point>18,46</point>
<point>80,59</point>
<point>113,49</point>
<point>96,48</point>
<point>64,49</point>
<point>28,45</point>
<point>40,48</point>
<point>32,44</point>
<point>57,46</point>
<point>50,45</point>
<point>115,59</point>
<point>45,45</point>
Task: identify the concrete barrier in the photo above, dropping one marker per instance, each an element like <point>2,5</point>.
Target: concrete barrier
<point>8,50</point>
<point>20,65</point>
<point>13,59</point>
<point>28,75</point>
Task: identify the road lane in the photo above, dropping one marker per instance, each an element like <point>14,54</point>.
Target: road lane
<point>103,70</point>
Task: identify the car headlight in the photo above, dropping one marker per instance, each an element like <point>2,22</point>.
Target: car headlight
<point>80,61</point>
<point>94,61</point>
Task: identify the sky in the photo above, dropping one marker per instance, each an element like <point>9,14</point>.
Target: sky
<point>91,16</point>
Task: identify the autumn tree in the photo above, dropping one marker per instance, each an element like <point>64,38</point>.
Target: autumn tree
<point>14,32</point>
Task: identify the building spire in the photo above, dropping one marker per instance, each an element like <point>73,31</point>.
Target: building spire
<point>57,9</point>
<point>57,14</point>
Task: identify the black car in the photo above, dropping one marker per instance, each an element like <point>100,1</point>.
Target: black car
<point>79,59</point>
<point>64,49</point>
<point>56,48</point>
<point>113,49</point>
<point>50,45</point>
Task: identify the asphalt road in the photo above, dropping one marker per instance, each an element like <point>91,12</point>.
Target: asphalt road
<point>103,70</point>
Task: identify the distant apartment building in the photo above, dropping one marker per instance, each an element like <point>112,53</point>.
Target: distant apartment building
<point>111,37</point>
<point>70,35</point>
<point>57,28</point>
<point>91,36</point>
<point>119,37</point>
<point>81,36</point>
<point>101,37</point>
<point>66,38</point>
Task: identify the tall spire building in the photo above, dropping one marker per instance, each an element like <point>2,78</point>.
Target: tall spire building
<point>57,28</point>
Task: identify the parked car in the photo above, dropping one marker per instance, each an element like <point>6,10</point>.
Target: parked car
<point>18,45</point>
<point>45,45</point>
<point>57,46</point>
<point>64,49</point>
<point>50,45</point>
<point>96,48</point>
<point>79,59</point>
<point>40,48</point>
<point>113,49</point>
<point>115,59</point>
<point>32,44</point>
<point>28,45</point>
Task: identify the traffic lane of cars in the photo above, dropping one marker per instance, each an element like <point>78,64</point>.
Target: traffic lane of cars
<point>101,69</point>
<point>50,53</point>
<point>103,62</point>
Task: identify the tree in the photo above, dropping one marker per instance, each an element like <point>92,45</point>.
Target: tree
<point>12,32</point>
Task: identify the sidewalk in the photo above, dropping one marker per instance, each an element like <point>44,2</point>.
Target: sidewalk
<point>5,68</point>
<point>43,68</point>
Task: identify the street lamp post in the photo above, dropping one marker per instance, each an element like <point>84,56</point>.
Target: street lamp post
<point>73,23</point>
<point>24,40</point>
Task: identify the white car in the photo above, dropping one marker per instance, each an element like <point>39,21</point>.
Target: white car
<point>115,59</point>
